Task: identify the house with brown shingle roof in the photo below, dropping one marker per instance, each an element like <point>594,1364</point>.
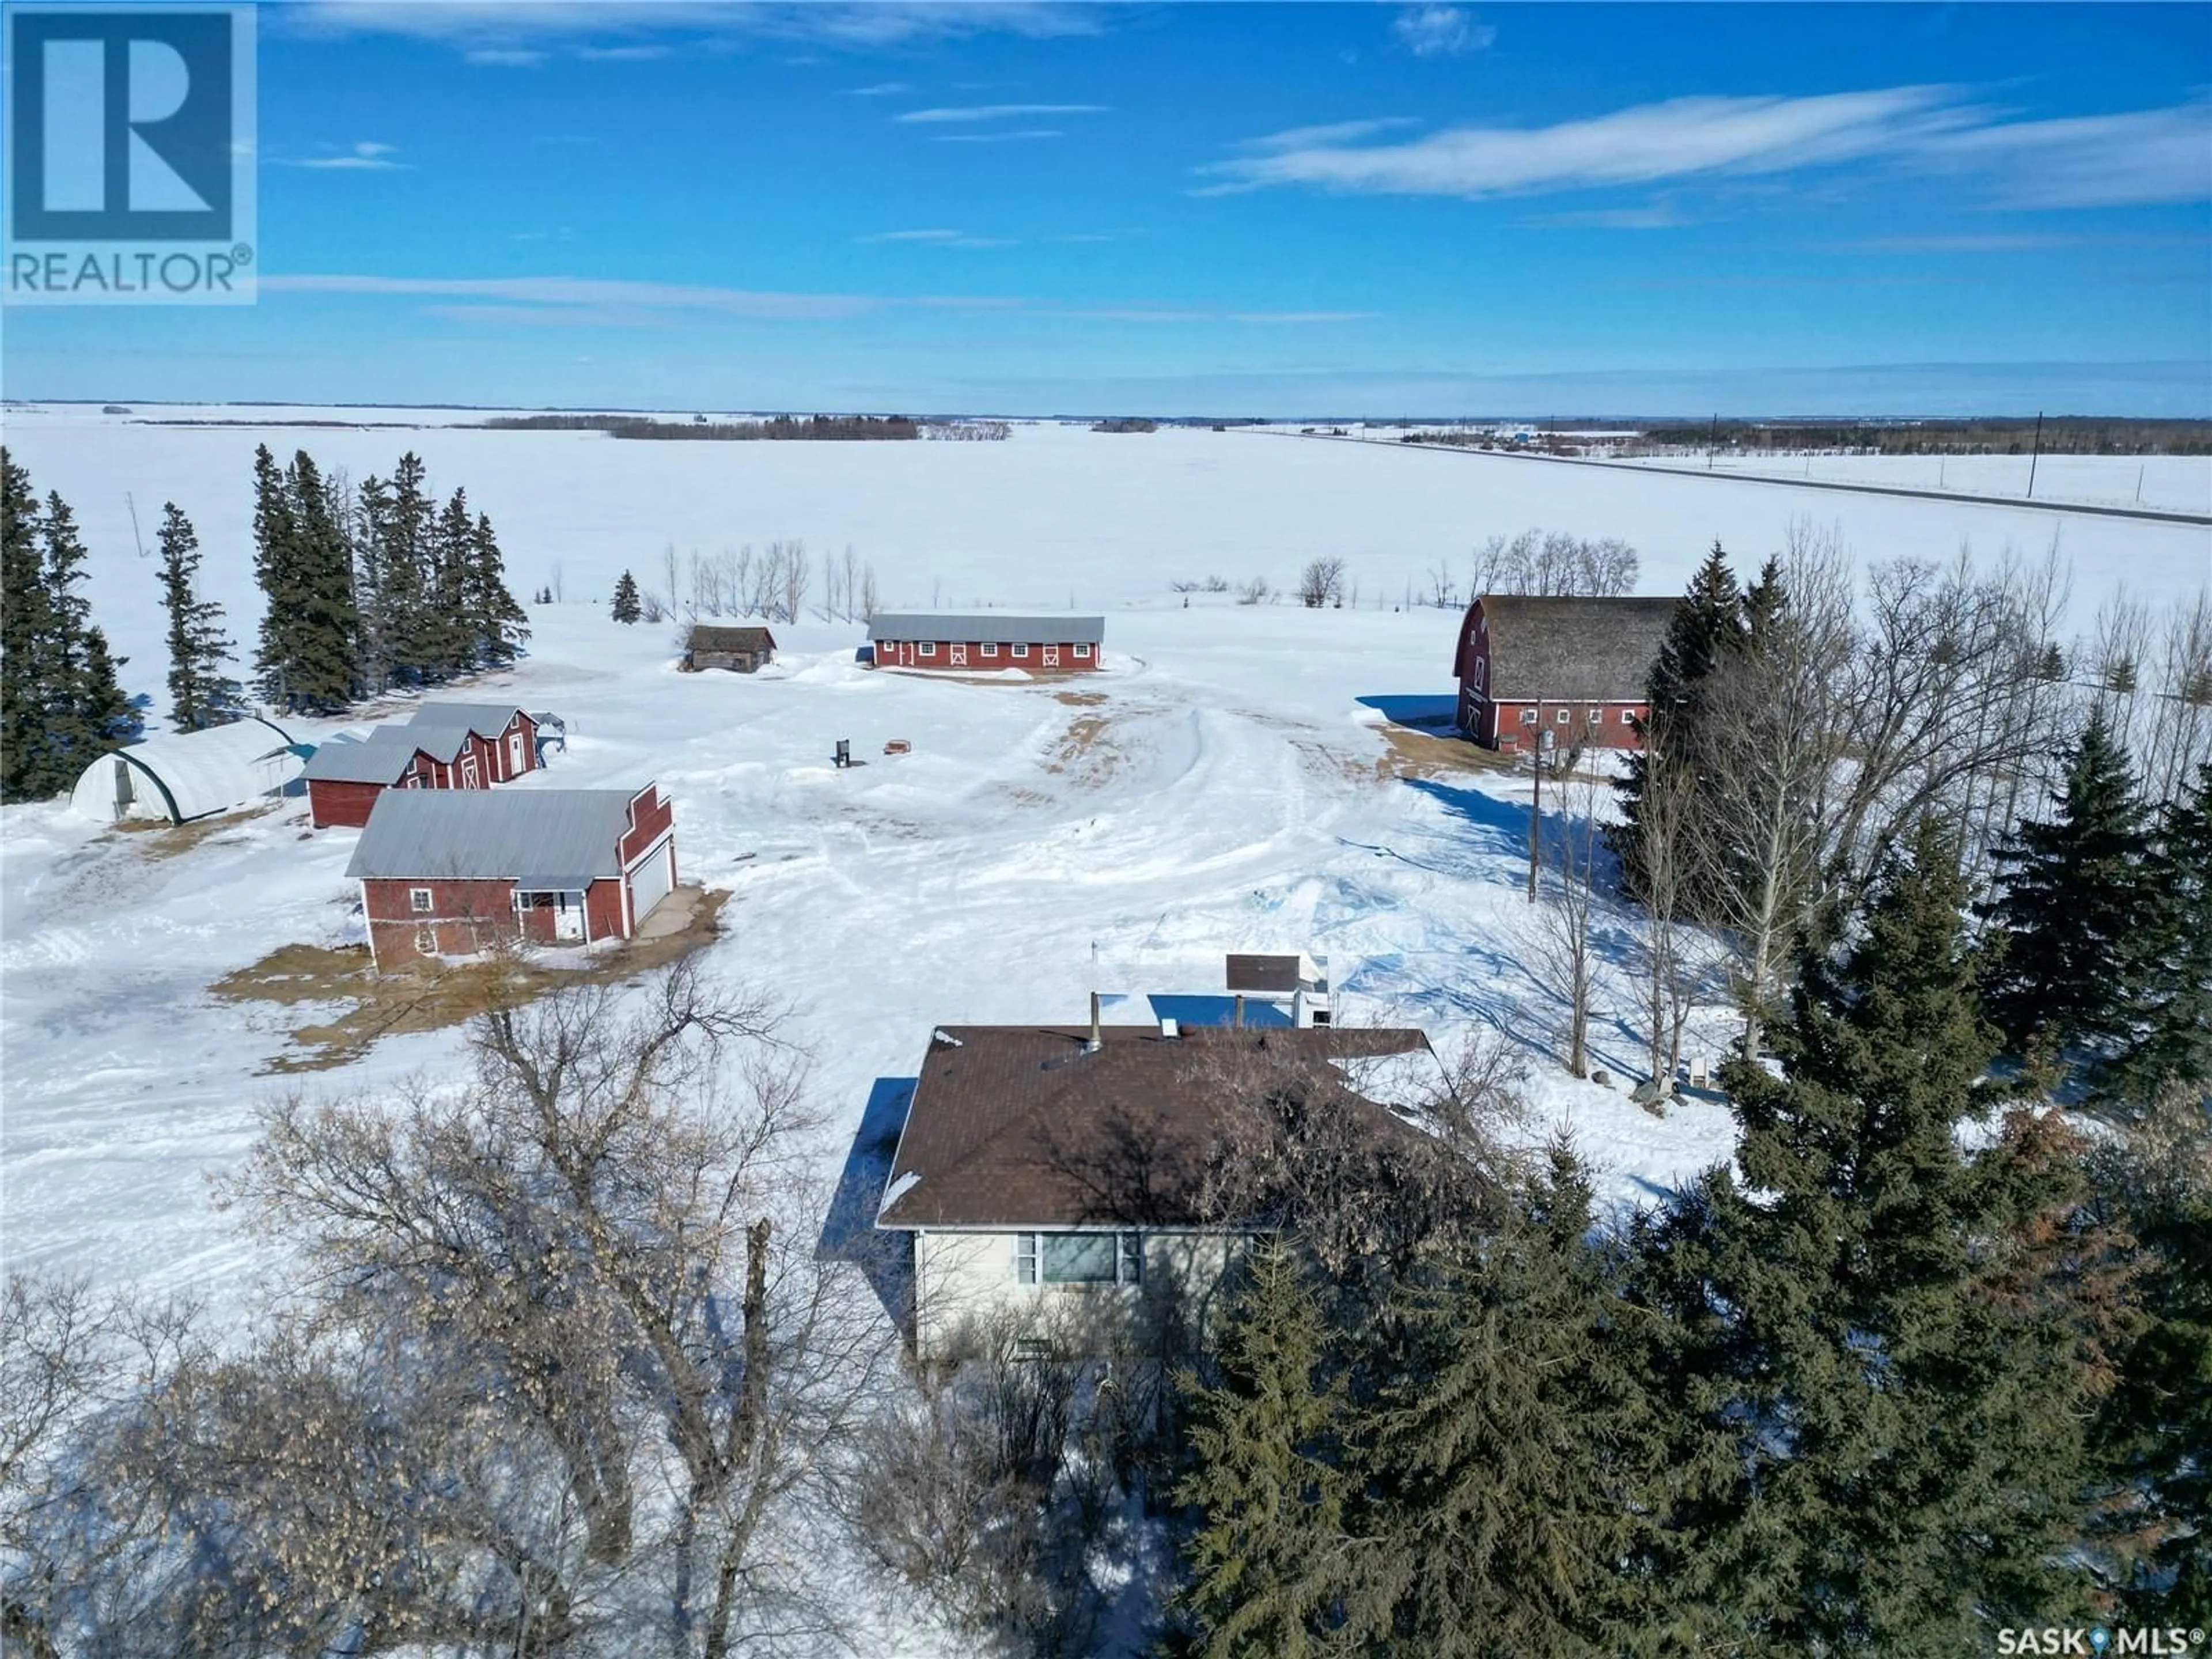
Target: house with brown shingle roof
<point>1562,671</point>
<point>741,650</point>
<point>1062,1177</point>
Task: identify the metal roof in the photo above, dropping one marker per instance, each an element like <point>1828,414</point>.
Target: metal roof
<point>988,627</point>
<point>485,719</point>
<point>382,757</point>
<point>493,834</point>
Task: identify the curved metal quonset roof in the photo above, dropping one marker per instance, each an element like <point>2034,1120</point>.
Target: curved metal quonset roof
<point>183,775</point>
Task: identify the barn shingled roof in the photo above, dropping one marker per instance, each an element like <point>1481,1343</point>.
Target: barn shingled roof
<point>492,835</point>
<point>706,637</point>
<point>989,628</point>
<point>1018,1126</point>
<point>1569,649</point>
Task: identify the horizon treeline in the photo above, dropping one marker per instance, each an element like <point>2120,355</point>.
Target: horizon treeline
<point>775,429</point>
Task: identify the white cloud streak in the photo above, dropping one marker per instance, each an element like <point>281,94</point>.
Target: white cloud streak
<point>2137,157</point>
<point>996,112</point>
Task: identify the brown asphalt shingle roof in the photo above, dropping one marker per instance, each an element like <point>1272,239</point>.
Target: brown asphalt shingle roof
<point>1014,1127</point>
<point>1570,650</point>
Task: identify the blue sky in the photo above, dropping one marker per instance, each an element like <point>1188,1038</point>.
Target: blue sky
<point>1232,209</point>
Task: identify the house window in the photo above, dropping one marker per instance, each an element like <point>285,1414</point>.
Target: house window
<point>418,899</point>
<point>1021,651</point>
<point>1082,650</point>
<point>929,647</point>
<point>990,650</point>
<point>1078,1258</point>
<point>1527,717</point>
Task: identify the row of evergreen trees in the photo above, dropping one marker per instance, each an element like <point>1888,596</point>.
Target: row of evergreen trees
<point>61,703</point>
<point>1876,1393</point>
<point>372,587</point>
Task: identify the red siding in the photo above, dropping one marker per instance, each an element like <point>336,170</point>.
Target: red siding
<point>332,801</point>
<point>650,816</point>
<point>906,653</point>
<point>602,910</point>
<point>1498,726</point>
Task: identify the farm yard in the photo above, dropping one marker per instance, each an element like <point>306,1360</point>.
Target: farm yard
<point>1222,786</point>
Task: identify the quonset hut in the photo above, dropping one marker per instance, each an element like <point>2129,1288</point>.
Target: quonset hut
<point>183,775</point>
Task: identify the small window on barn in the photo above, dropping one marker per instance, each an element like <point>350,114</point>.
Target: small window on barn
<point>1561,717</point>
<point>1597,717</point>
<point>1527,717</point>
<point>990,650</point>
<point>418,899</point>
<point>1082,650</point>
<point>1021,651</point>
<point>929,647</point>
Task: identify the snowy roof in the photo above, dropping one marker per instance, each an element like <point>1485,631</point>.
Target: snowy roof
<point>494,835</point>
<point>1016,1126</point>
<point>382,758</point>
<point>988,627</point>
<point>1568,649</point>
<point>183,775</point>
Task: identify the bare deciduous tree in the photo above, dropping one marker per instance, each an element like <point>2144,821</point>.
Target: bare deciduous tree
<point>1553,564</point>
<point>1321,582</point>
<point>1561,943</point>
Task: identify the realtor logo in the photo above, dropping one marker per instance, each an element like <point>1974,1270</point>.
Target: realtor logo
<point>131,154</point>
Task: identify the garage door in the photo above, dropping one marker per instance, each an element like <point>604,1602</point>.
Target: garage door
<point>650,882</point>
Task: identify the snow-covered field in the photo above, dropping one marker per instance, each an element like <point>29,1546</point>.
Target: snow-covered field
<point>1225,795</point>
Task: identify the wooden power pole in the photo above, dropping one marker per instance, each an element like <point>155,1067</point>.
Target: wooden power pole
<point>2036,455</point>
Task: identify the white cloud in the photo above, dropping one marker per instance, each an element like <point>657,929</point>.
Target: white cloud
<point>1336,132</point>
<point>365,157</point>
<point>882,89</point>
<point>506,56</point>
<point>939,238</point>
<point>494,31</point>
<point>2136,157</point>
<point>1441,32</point>
<point>996,112</point>
<point>1675,139</point>
<point>1015,136</point>
<point>560,292</point>
<point>644,54</point>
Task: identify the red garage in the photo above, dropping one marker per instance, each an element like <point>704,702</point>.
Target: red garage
<point>452,873</point>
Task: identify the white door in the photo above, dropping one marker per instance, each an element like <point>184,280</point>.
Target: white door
<point>514,761</point>
<point>650,882</point>
<point>469,771</point>
<point>959,656</point>
<point>1052,656</point>
<point>567,916</point>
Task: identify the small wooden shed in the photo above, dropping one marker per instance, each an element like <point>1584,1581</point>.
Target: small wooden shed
<point>741,650</point>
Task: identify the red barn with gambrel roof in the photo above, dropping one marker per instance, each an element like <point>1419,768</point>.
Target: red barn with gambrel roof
<point>445,745</point>
<point>1573,667</point>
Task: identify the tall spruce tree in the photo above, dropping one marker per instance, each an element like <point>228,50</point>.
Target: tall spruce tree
<point>275,573</point>
<point>1509,1464</point>
<point>1267,1557</point>
<point>1859,1320</point>
<point>25,633</point>
<point>627,609</point>
<point>403,526</point>
<point>87,712</point>
<point>2072,897</point>
<point>2171,972</point>
<point>200,694</point>
<point>1707,626</point>
<point>449,636</point>
<point>497,625</point>
<point>325,675</point>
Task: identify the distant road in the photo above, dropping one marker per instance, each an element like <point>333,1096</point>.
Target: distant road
<point>2149,515</point>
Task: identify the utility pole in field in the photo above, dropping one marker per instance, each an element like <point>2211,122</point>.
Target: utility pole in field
<point>1713,441</point>
<point>2036,455</point>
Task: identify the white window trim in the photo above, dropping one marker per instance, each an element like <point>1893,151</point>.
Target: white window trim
<point>990,650</point>
<point>1082,650</point>
<point>1128,1260</point>
<point>1563,717</point>
<point>418,901</point>
<point>1527,717</point>
<point>928,649</point>
<point>1021,650</point>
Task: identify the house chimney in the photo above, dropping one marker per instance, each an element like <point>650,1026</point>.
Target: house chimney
<point>1097,1037</point>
